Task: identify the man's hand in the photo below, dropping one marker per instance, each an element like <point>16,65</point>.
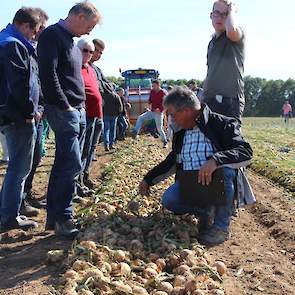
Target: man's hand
<point>233,32</point>
<point>30,121</point>
<point>232,8</point>
<point>144,188</point>
<point>70,109</point>
<point>157,110</point>
<point>206,171</point>
<point>38,116</point>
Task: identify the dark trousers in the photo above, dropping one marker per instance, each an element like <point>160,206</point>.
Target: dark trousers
<point>230,107</point>
<point>94,128</point>
<point>122,126</point>
<point>172,201</point>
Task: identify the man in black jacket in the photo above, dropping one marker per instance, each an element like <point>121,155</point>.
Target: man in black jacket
<point>19,90</point>
<point>112,105</point>
<point>60,63</point>
<point>207,141</point>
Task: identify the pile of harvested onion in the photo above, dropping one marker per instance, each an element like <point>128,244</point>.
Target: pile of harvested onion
<point>130,245</point>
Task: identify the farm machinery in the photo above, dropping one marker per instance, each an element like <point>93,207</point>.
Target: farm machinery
<point>137,90</point>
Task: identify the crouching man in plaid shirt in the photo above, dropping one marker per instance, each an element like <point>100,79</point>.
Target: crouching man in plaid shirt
<point>206,154</point>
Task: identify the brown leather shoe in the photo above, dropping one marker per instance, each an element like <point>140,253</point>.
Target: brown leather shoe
<point>17,223</point>
<point>27,210</point>
<point>66,228</point>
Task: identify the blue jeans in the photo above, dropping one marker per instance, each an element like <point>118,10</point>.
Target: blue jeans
<point>172,201</point>
<point>36,157</point>
<point>94,128</point>
<point>20,142</point>
<point>109,131</point>
<point>123,125</point>
<point>159,120</point>
<point>68,129</point>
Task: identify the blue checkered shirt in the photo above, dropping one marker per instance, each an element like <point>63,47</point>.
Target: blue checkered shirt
<point>196,149</point>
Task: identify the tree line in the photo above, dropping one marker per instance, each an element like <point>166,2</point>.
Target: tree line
<point>264,98</point>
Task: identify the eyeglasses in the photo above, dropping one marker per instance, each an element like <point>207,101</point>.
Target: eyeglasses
<point>87,50</point>
<point>217,13</point>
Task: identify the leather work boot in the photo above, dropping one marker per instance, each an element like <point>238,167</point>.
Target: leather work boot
<point>77,199</point>
<point>66,228</point>
<point>134,135</point>
<point>88,182</point>
<point>27,210</point>
<point>203,225</point>
<point>34,201</point>
<point>214,236</point>
<point>39,204</point>
<point>17,223</point>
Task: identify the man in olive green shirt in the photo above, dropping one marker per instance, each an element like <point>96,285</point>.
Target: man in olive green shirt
<point>224,84</point>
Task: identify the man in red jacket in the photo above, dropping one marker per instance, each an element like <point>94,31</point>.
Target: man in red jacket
<point>94,113</point>
<point>156,113</point>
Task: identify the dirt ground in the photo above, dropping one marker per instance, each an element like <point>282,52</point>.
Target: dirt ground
<point>23,267</point>
<point>260,255</point>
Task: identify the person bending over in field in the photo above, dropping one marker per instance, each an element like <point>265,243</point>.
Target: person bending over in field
<point>206,154</point>
<point>156,113</point>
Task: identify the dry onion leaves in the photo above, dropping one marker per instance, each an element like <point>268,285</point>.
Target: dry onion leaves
<point>129,244</point>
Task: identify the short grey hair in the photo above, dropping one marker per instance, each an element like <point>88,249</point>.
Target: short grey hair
<point>182,97</point>
<point>99,43</point>
<point>87,8</point>
<point>85,42</point>
<point>226,2</point>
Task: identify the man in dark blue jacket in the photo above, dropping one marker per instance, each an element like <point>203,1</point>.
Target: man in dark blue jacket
<point>60,63</point>
<point>207,142</point>
<point>30,204</point>
<point>18,104</point>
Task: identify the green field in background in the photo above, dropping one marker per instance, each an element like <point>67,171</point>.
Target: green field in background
<point>274,148</point>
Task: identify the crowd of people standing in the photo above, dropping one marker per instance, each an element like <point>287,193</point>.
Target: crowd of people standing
<point>49,80</point>
<point>44,74</point>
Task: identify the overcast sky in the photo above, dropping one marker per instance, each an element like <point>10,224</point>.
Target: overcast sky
<point>172,35</point>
